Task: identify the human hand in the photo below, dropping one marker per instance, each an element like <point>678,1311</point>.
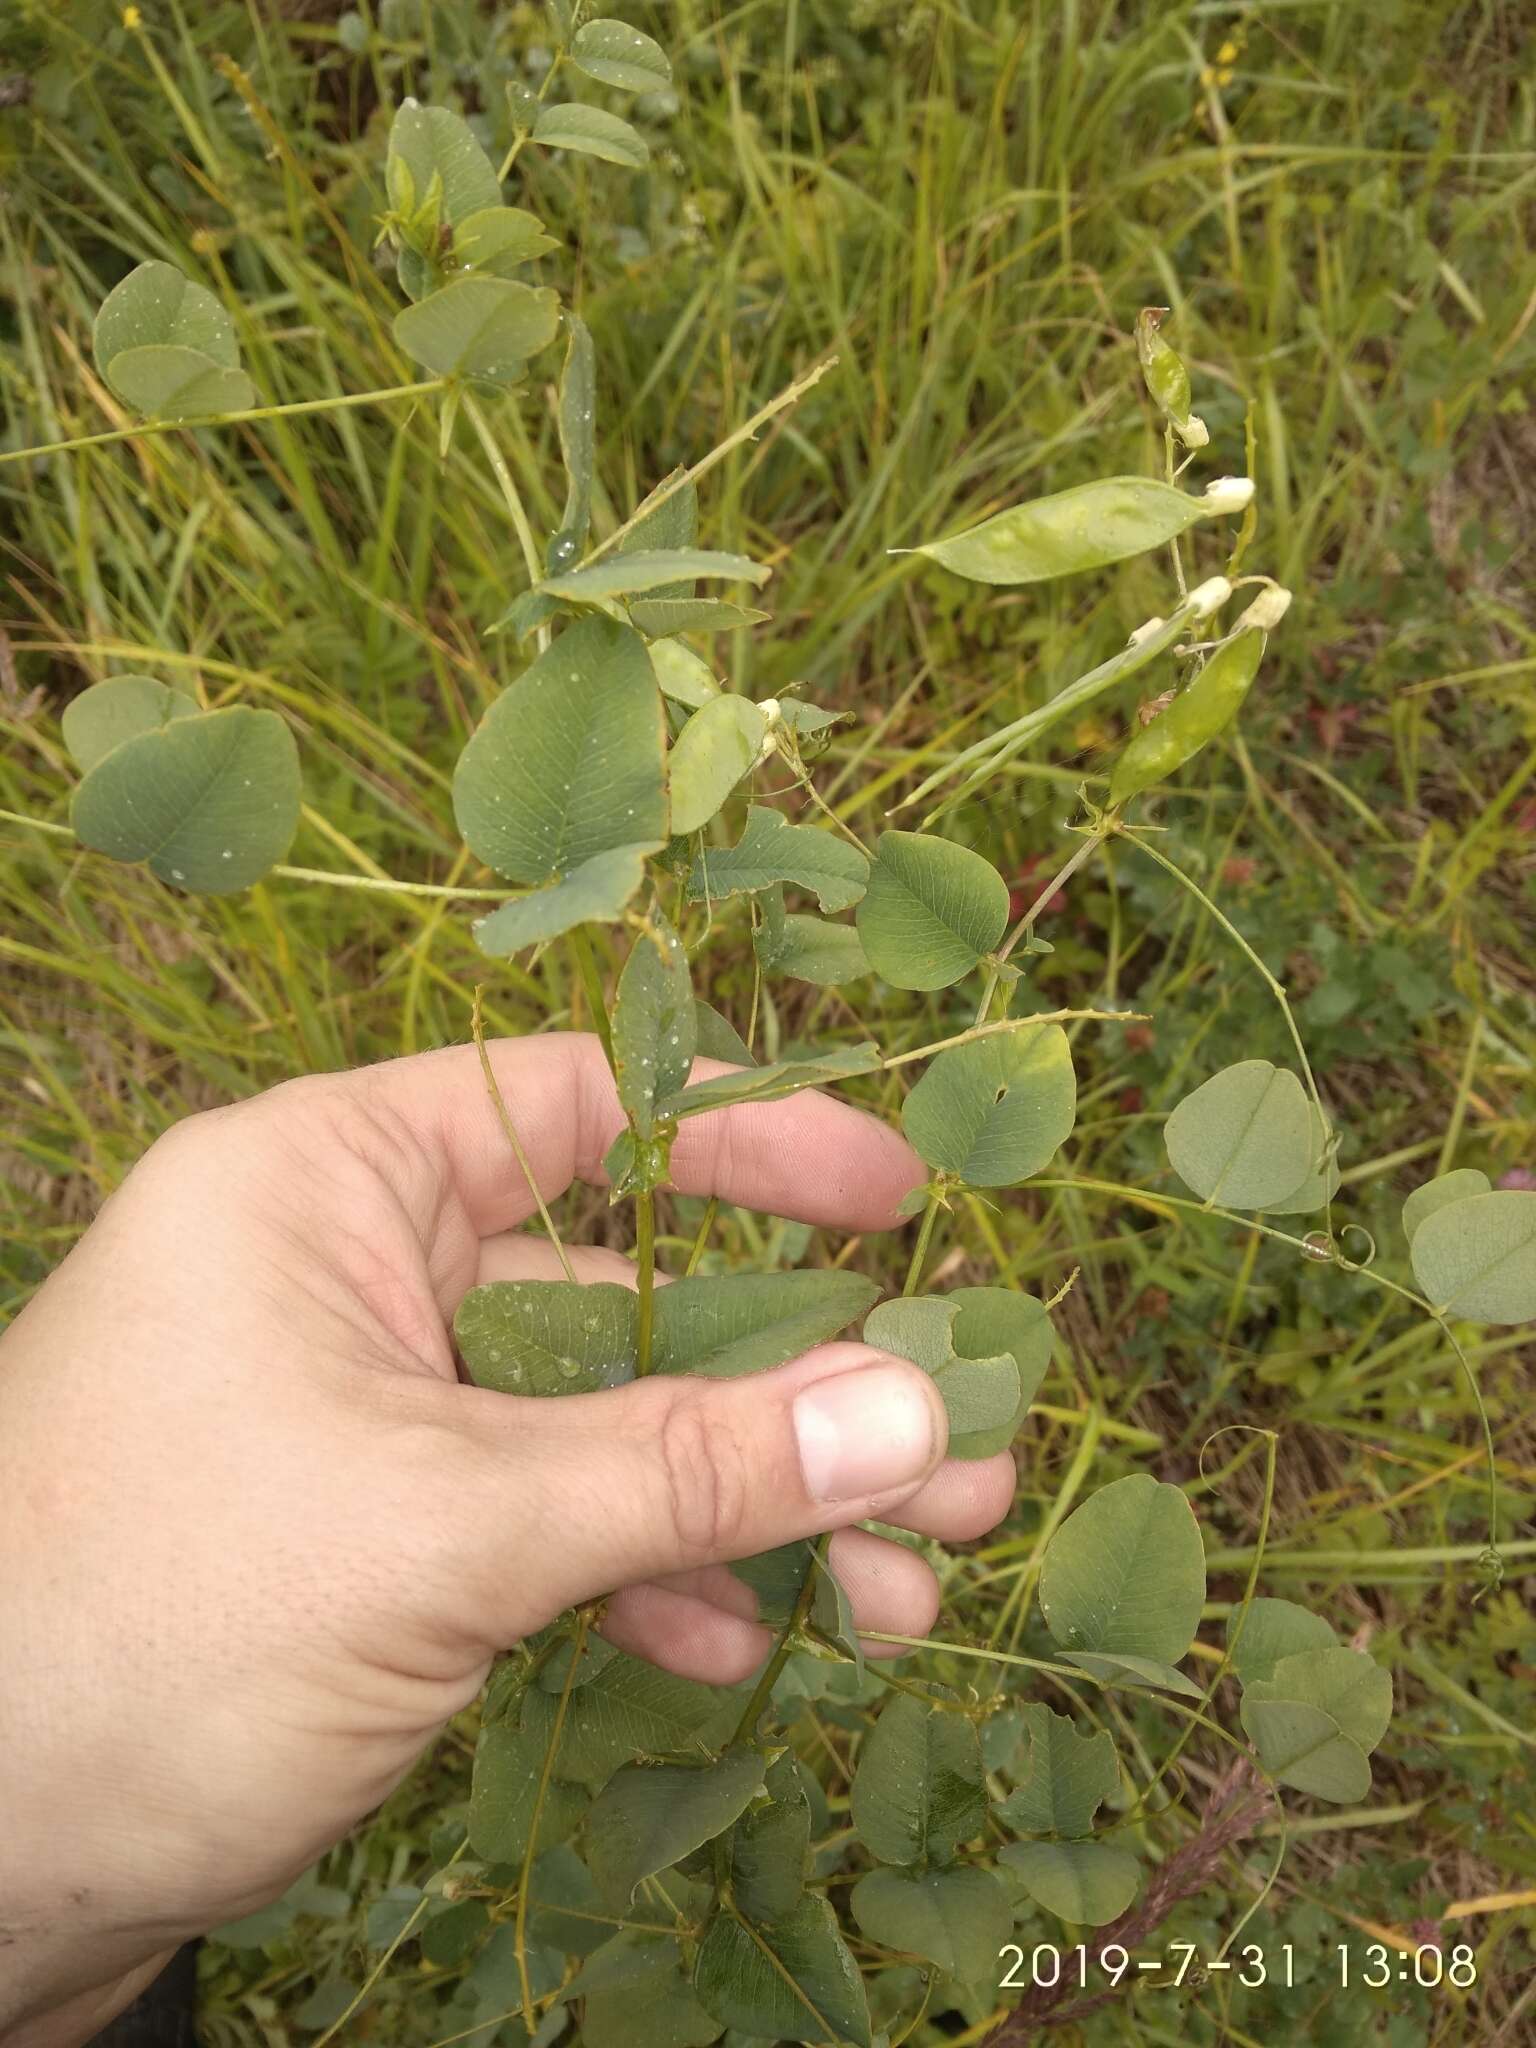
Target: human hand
<point>260,1542</point>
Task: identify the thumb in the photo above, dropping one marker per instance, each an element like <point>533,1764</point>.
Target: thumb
<point>668,1474</point>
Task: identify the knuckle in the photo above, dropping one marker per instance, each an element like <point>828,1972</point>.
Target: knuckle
<point>706,1473</point>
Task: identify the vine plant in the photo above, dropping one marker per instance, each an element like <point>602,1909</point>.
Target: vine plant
<point>638,1848</point>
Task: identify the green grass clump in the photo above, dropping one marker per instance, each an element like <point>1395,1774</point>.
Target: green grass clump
<point>966,203</point>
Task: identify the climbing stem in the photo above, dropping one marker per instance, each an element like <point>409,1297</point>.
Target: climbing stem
<point>508,485</point>
<point>592,986</point>
<point>146,428</point>
<point>493,1088</point>
<point>746,1727</point>
<point>924,1236</point>
<point>645,1261</point>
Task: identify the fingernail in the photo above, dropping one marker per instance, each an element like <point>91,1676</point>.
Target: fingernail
<point>866,1432</point>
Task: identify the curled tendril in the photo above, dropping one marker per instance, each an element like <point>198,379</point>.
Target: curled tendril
<point>1490,1569</point>
<point>1356,1265</point>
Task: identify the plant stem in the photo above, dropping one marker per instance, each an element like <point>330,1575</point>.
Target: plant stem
<point>592,987</point>
<point>645,1260</point>
<point>477,1027</point>
<point>790,395</point>
<point>746,1727</point>
<point>1275,987</point>
<point>1068,1671</point>
<point>1308,1249</point>
<point>225,419</point>
<point>520,1937</point>
<point>509,490</point>
<point>513,153</point>
<point>1026,923</point>
<point>1173,545</point>
<point>1234,1633</point>
<point>926,1052</point>
<point>385,885</point>
<point>920,1249</point>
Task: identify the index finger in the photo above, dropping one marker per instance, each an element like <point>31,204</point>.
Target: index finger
<point>808,1156</point>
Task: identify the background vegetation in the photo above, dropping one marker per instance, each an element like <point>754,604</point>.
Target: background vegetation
<point>967,202</point>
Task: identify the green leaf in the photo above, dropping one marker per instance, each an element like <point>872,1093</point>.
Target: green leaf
<point>155,305</point>
<point>523,617</point>
<point>666,520</point>
<point>983,1397</point>
<point>667,615</point>
<point>648,1816</point>
<point>959,1919</point>
<point>1086,527</point>
<point>993,1320</point>
<point>1322,1181</point>
<point>1477,1257</point>
<point>564,1905</point>
<point>637,1996</point>
<point>1134,1673</point>
<point>718,1038</point>
<point>210,801</point>
<point>809,948</point>
<point>831,1612</point>
<point>485,327</point>
<point>178,383</point>
<point>547,1336</point>
<point>499,240</point>
<point>1304,1746</point>
<point>615,54</point>
<point>790,1980</point>
<point>919,1791</point>
<point>1349,1685</point>
<point>590,132</point>
<point>1067,1778</point>
<point>770,851</point>
<point>1088,1883</point>
<point>767,1852</point>
<point>715,750</point>
<point>931,910</point>
<point>626,571</point>
<point>433,142</point>
<point>568,761</point>
<point>1243,1138</point>
<point>724,1325</point>
<point>578,439</point>
<point>1273,1629</point>
<point>776,1577</point>
<point>772,1083</point>
<point>632,1709</point>
<point>105,715</point>
<point>654,1027</point>
<point>995,1111</point>
<point>1126,1572</point>
<point>509,1762</point>
<point>448,1937</point>
<point>597,891</point>
<point>683,675</point>
<point>1438,1193</point>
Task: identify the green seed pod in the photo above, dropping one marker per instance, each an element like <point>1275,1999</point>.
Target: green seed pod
<point>1195,716</point>
<point>1163,369</point>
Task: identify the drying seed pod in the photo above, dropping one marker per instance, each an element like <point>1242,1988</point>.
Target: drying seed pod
<point>1166,378</point>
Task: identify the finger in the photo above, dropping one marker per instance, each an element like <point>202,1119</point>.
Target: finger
<point>685,1634</point>
<point>965,1498</point>
<point>808,1156</point>
<point>515,1255</point>
<point>890,1588</point>
<point>702,1624</point>
<point>669,1474</point>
